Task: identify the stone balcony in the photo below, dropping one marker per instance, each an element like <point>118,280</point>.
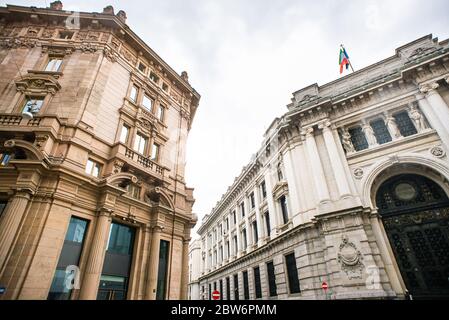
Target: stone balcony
<point>136,161</point>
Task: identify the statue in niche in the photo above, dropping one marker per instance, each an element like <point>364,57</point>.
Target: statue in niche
<point>393,127</point>
<point>369,134</point>
<point>418,119</point>
<point>346,141</point>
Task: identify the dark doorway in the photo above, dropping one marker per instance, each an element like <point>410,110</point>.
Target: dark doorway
<point>415,214</point>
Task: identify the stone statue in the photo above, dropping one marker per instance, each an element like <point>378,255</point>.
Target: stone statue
<point>369,134</point>
<point>418,119</point>
<point>393,127</point>
<point>346,141</point>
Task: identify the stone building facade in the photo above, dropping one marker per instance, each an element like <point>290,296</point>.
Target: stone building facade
<point>349,190</point>
<point>194,269</point>
<point>93,128</point>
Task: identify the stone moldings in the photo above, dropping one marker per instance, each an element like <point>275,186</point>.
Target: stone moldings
<point>350,259</point>
<point>438,152</point>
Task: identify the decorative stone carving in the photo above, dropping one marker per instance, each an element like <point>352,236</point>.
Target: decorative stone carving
<point>358,173</point>
<point>118,165</point>
<point>48,33</point>
<point>350,259</point>
<point>438,152</point>
<point>41,140</point>
<point>9,144</point>
<point>369,134</point>
<point>429,88</point>
<point>88,48</point>
<point>32,32</point>
<point>109,54</point>
<point>38,82</point>
<point>346,141</point>
<point>418,119</point>
<point>393,127</point>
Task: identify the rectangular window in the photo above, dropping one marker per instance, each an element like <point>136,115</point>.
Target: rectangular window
<point>155,152</point>
<point>221,289</point>
<point>255,234</point>
<point>147,102</point>
<point>283,203</point>
<point>236,287</point>
<point>142,68</point>
<point>228,289</point>
<point>292,273</point>
<point>133,93</point>
<point>133,191</point>
<point>267,223</point>
<point>163,268</point>
<point>236,248</point>
<point>244,240</point>
<point>140,143</point>
<point>2,206</point>
<point>263,189</point>
<point>70,255</point>
<point>257,284</point>
<point>160,113</point>
<point>358,138</point>
<point>242,209</point>
<point>33,105</point>
<point>93,168</point>
<point>245,285</point>
<point>165,87</point>
<point>210,291</point>
<point>252,200</point>
<point>154,77</point>
<point>124,134</point>
<point>227,224</point>
<point>271,279</point>
<point>67,35</point>
<point>228,253</point>
<point>405,124</point>
<point>234,217</point>
<point>380,131</point>
<point>53,64</point>
<point>120,239</point>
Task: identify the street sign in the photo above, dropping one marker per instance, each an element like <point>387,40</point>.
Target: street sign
<point>324,286</point>
<point>216,295</point>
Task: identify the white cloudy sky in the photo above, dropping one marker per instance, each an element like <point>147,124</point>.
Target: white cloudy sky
<point>246,57</point>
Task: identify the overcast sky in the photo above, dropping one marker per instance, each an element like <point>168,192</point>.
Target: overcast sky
<point>245,58</point>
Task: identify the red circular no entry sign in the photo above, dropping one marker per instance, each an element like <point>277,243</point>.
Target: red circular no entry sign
<point>216,295</point>
<point>324,286</point>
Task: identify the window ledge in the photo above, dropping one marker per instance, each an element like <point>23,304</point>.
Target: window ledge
<point>390,144</point>
<point>55,74</point>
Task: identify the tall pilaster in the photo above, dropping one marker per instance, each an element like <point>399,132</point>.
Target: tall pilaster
<point>337,166</point>
<point>153,264</point>
<point>258,217</point>
<point>94,266</point>
<point>10,223</point>
<point>185,269</point>
<point>318,176</point>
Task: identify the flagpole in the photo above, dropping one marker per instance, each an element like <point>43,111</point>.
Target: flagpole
<point>349,60</point>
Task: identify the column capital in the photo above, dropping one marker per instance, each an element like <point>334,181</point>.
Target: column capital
<point>307,132</point>
<point>104,211</point>
<point>429,88</point>
<point>325,125</point>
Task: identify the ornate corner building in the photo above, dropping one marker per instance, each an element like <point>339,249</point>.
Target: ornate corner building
<point>349,190</point>
<point>93,128</point>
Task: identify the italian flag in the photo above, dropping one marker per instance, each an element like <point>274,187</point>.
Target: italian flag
<point>343,59</point>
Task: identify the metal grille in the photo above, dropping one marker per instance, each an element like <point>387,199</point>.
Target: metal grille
<point>358,138</point>
<point>418,230</point>
<point>405,125</point>
<point>381,131</point>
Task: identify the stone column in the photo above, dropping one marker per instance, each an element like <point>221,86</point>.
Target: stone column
<point>337,165</point>
<point>318,176</point>
<point>433,119</point>
<point>10,222</point>
<point>260,232</point>
<point>437,103</point>
<point>153,264</point>
<point>94,266</point>
<point>185,269</point>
